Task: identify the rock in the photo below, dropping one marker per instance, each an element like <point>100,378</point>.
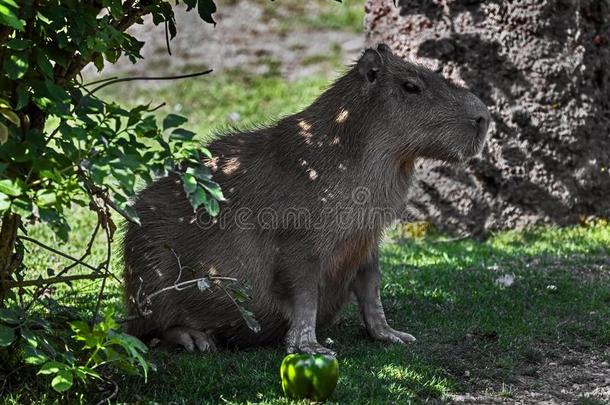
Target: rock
<point>541,67</point>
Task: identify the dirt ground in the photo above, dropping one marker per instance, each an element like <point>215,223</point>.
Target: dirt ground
<point>550,376</point>
<point>246,37</point>
<point>541,68</point>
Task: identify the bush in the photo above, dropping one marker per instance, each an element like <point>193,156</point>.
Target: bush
<point>60,145</point>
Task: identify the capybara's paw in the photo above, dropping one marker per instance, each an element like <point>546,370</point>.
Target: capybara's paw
<point>311,348</point>
<point>190,339</point>
<point>388,334</point>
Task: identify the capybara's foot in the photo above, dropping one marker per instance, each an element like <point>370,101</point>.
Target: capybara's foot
<point>189,338</point>
<point>387,334</point>
<point>302,339</point>
<point>311,348</point>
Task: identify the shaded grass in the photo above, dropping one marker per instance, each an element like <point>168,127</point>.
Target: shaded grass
<point>446,295</point>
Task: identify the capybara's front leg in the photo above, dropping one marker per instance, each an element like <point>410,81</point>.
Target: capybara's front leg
<point>366,288</point>
<point>301,336</point>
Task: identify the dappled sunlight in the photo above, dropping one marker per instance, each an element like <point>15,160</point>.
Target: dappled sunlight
<point>342,116</point>
<point>231,166</point>
<point>312,174</point>
<point>407,382</point>
<point>305,131</point>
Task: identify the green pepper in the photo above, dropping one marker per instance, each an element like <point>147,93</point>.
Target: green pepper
<point>309,376</point>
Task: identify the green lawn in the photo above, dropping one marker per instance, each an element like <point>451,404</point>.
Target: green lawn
<point>444,293</point>
<point>473,334</point>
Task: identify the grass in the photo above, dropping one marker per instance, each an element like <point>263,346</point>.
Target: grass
<point>473,334</point>
<point>347,15</point>
<point>235,98</point>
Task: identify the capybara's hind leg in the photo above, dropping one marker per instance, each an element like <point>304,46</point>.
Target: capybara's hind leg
<point>189,338</point>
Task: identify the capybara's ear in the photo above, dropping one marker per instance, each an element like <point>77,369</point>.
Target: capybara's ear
<point>383,48</point>
<point>370,64</point>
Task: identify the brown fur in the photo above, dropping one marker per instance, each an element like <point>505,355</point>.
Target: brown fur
<point>300,223</point>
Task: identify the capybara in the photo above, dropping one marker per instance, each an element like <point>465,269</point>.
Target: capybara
<point>307,200</point>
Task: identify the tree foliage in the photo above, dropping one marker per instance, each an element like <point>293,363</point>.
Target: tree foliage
<point>60,145</point>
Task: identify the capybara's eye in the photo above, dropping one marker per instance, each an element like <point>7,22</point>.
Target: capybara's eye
<point>411,87</point>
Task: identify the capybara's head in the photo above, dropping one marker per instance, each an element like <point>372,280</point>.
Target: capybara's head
<point>418,112</point>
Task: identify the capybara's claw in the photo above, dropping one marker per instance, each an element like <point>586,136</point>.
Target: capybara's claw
<point>311,348</point>
<point>388,334</point>
<point>190,339</point>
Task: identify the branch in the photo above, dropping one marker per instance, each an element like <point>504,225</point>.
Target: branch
<point>129,79</point>
<point>143,304</point>
<point>54,280</point>
<point>95,191</point>
<point>57,252</point>
<point>109,234</point>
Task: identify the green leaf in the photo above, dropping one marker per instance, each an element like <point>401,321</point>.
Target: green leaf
<point>181,134</point>
<point>29,337</point>
<point>22,96</point>
<point>248,316</point>
<point>8,14</point>
<point>16,65</point>
<point>3,134</point>
<point>9,316</point>
<point>206,152</point>
<point>82,372</point>
<point>43,63</point>
<point>211,205</point>
<point>173,120</point>
<point>8,187</point>
<point>127,210</point>
<point>11,116</point>
<point>62,381</point>
<point>57,92</point>
<point>98,61</point>
<point>200,172</point>
<point>5,203</point>
<point>198,197</point>
<point>206,8</point>
<point>46,197</point>
<point>189,183</point>
<point>18,44</point>
<point>115,8</point>
<point>35,357</point>
<point>214,189</point>
<point>52,367</point>
<point>7,336</point>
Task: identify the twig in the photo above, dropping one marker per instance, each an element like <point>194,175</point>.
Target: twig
<point>130,79</point>
<point>114,393</point>
<point>57,252</point>
<point>94,190</point>
<point>99,81</point>
<point>142,301</point>
<point>46,282</point>
<point>169,50</point>
<point>106,272</point>
<point>87,250</point>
